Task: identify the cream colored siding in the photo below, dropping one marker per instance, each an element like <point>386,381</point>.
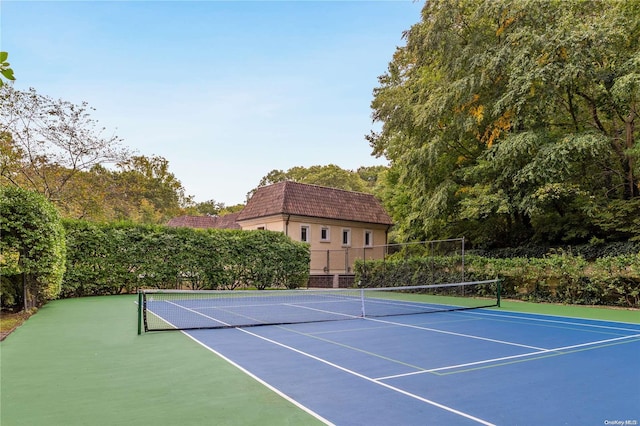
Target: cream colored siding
<point>330,252</point>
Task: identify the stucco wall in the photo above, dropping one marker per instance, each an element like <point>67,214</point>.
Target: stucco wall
<point>330,255</point>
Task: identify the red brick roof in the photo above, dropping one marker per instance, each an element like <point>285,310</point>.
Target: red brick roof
<point>220,222</point>
<point>314,201</point>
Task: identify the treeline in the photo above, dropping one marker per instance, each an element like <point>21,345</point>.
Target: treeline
<point>514,123</point>
<point>55,148</point>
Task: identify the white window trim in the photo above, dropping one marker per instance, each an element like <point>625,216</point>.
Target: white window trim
<point>348,243</point>
<point>328,239</point>
<point>364,238</point>
<point>308,228</point>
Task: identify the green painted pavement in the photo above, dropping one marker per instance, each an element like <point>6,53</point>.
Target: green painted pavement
<point>81,362</point>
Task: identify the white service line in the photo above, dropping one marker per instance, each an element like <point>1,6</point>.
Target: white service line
<point>488,361</point>
<point>469,336</point>
<point>346,370</point>
<point>197,313</point>
<point>531,319</point>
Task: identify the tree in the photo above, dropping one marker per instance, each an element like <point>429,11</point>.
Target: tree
<point>147,182</point>
<point>46,143</point>
<point>371,175</point>
<point>509,121</point>
<point>330,176</point>
<point>32,249</point>
<point>215,208</point>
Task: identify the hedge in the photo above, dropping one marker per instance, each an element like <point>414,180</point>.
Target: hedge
<point>558,278</point>
<point>32,249</point>
<point>121,258</point>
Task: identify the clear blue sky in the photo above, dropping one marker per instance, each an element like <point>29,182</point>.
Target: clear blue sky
<point>225,90</point>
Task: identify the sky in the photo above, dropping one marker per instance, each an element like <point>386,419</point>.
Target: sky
<point>226,91</point>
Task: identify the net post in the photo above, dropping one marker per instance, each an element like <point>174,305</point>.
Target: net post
<point>139,312</point>
<point>499,290</point>
<point>462,256</point>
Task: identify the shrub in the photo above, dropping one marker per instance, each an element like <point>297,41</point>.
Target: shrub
<point>560,277</point>
<point>32,249</point>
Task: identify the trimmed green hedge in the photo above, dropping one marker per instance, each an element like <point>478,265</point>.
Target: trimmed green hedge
<point>32,249</point>
<point>558,278</point>
<point>120,258</point>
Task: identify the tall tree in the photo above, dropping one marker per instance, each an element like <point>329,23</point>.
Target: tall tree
<point>513,120</point>
<point>46,143</point>
<point>215,208</point>
<point>330,175</point>
<point>149,178</point>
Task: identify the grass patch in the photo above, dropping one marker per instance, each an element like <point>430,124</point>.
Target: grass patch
<point>11,321</point>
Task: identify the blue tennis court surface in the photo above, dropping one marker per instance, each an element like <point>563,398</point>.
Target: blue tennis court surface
<point>448,368</point>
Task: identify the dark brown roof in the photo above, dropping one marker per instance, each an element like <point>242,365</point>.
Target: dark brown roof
<point>227,221</point>
<point>314,201</point>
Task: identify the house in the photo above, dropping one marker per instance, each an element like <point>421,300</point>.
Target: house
<point>339,226</point>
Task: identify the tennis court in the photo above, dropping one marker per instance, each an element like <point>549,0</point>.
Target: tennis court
<point>480,366</point>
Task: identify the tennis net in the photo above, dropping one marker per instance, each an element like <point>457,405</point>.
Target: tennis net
<point>193,309</point>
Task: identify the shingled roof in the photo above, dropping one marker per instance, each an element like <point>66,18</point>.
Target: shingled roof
<point>227,221</point>
<point>314,201</point>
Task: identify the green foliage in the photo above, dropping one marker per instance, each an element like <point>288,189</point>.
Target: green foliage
<point>564,278</point>
<point>558,278</point>
<point>332,176</point>
<point>120,258</point>
<point>32,248</point>
<point>620,217</point>
<point>510,122</point>
<point>55,148</point>
<point>5,68</point>
<point>213,208</point>
<point>401,271</point>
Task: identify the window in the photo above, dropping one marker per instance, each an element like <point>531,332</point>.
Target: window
<point>260,228</point>
<point>304,233</point>
<point>368,238</point>
<point>346,237</point>
<point>324,233</point>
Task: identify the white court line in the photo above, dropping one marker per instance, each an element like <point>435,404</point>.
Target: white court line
<point>488,361</point>
<point>348,316</point>
<point>253,305</point>
<point>469,336</point>
<point>259,380</point>
<point>253,376</point>
<point>195,312</point>
<point>526,318</point>
<point>369,379</point>
<point>324,361</point>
